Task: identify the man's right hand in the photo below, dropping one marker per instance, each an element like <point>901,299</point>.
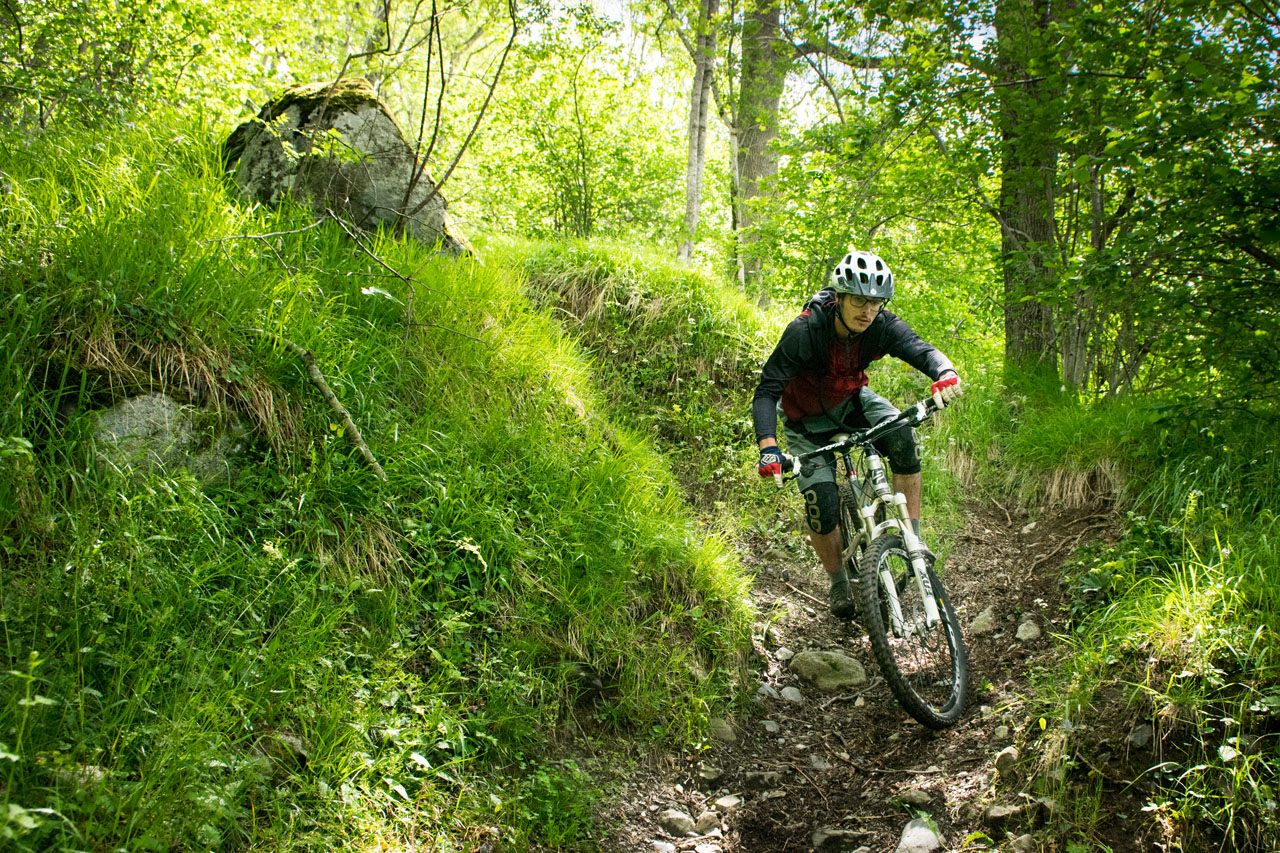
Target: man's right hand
<point>770,463</point>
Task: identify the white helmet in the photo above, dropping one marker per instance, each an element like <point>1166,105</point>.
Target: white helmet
<point>864,274</point>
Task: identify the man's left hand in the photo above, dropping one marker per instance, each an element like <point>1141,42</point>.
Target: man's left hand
<point>946,389</point>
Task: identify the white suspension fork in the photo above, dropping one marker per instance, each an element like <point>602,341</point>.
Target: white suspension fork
<point>915,549</point>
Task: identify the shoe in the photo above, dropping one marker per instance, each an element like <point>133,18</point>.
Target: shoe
<point>842,606</point>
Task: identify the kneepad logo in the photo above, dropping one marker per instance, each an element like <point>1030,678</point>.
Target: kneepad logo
<point>812,510</point>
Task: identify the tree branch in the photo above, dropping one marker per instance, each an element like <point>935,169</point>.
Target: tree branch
<point>349,427</point>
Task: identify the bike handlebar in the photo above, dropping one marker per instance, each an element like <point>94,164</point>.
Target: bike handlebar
<point>913,416</point>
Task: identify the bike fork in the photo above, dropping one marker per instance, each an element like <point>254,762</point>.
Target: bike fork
<point>915,550</point>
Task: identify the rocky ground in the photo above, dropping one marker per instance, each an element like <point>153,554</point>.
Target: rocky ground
<point>847,769</point>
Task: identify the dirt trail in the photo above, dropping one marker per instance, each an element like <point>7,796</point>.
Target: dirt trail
<point>845,761</point>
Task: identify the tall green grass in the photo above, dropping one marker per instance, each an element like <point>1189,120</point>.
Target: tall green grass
<point>1174,625</point>
<point>310,656</point>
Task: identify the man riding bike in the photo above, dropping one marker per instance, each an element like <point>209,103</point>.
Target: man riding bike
<point>817,377</point>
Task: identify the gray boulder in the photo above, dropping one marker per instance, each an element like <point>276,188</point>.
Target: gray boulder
<point>154,432</point>
<point>336,147</point>
<point>829,670</point>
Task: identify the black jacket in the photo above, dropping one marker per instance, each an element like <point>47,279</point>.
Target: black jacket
<point>812,370</point>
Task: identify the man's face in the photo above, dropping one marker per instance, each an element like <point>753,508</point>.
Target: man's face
<point>858,311</point>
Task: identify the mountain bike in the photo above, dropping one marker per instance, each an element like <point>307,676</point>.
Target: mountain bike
<point>915,635</point>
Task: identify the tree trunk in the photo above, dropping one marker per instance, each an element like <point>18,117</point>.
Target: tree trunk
<point>704,67</point>
<point>1028,122</point>
<point>765,58</point>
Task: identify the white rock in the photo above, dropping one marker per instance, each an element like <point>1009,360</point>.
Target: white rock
<point>1001,733</point>
<point>792,694</point>
<point>772,727</point>
<point>784,654</point>
<point>984,622</point>
<point>1006,760</point>
<point>728,803</point>
<point>918,837</point>
<point>1027,528</point>
<point>1028,631</point>
<point>676,822</point>
<point>663,847</point>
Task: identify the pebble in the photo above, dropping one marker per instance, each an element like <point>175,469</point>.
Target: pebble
<point>1028,631</point>
<point>772,727</point>
<point>1006,760</point>
<point>1001,733</point>
<point>984,622</point>
<point>663,847</point>
<point>706,822</point>
<point>818,762</point>
<point>709,772</point>
<point>676,822</point>
<point>728,803</point>
<point>915,797</point>
<point>997,815</point>
<point>1022,844</point>
<point>792,694</point>
<point>766,691</point>
<point>1027,528</point>
<point>784,654</point>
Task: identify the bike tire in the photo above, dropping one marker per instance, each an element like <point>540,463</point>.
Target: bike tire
<point>927,671</point>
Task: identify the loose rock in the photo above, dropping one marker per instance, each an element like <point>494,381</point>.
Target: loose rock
<point>830,837</point>
<point>784,654</point>
<point>918,837</point>
<point>1028,631</point>
<point>706,822</point>
<point>792,694</point>
<point>998,815</point>
<point>1022,844</point>
<point>984,622</point>
<point>1006,761</point>
<point>728,803</point>
<point>915,797</point>
<point>676,822</point>
<point>829,670</point>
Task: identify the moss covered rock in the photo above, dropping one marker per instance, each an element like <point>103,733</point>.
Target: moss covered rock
<point>336,147</point>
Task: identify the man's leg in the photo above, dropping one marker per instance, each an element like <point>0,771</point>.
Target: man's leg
<point>827,545</point>
<point>909,485</point>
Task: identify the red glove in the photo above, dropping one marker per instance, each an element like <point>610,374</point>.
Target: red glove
<point>770,462</point>
<point>945,390</point>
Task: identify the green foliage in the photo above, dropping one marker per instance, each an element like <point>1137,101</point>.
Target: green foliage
<point>583,148</point>
<point>310,656</point>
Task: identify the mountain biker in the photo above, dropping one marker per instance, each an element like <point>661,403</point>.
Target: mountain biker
<point>817,377</point>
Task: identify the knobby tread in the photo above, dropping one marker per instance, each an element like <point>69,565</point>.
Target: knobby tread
<point>875,619</point>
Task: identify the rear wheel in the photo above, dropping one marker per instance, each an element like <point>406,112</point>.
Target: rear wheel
<point>926,668</point>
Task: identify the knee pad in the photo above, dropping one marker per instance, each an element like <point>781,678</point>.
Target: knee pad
<point>902,449</point>
<point>821,507</point>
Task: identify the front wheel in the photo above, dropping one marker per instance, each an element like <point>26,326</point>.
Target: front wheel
<point>926,667</point>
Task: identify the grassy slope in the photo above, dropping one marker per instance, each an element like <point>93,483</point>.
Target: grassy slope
<point>310,656</point>
<point>1175,625</point>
